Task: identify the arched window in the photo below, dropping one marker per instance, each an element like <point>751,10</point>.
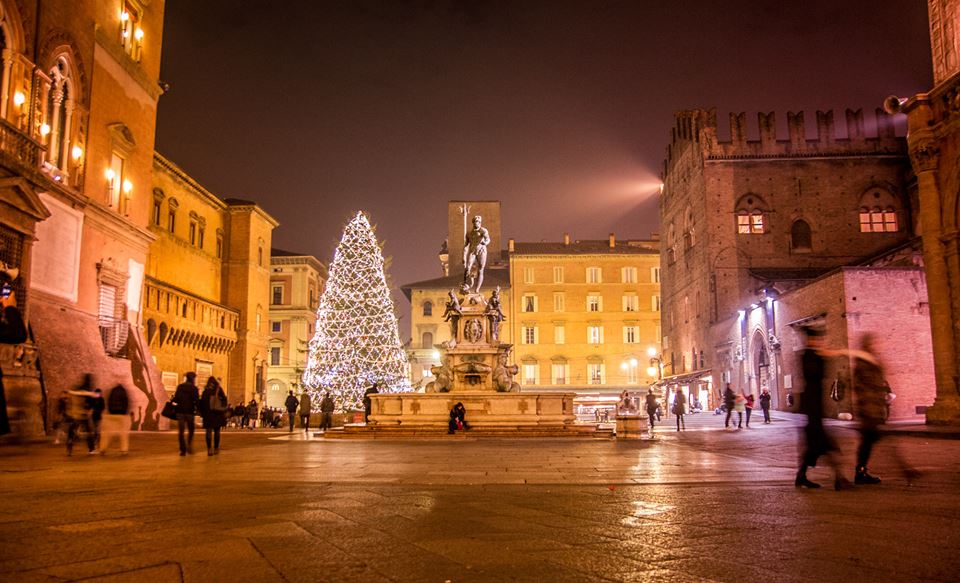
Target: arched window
<point>879,212</point>
<point>801,239</point>
<point>427,340</point>
<point>427,309</point>
<point>61,102</point>
<point>688,228</point>
<point>751,215</point>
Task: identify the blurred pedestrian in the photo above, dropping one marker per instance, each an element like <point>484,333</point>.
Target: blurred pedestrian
<point>748,407</point>
<point>60,420</point>
<point>739,405</point>
<point>816,441</point>
<point>116,423</point>
<point>213,411</point>
<point>79,406</point>
<point>326,412</point>
<point>728,401</point>
<point>97,407</point>
<point>367,403</point>
<point>305,407</point>
<point>12,330</point>
<point>871,390</point>
<point>765,405</point>
<point>679,407</point>
<point>185,401</point>
<point>252,414</point>
<point>292,404</point>
<point>651,406</point>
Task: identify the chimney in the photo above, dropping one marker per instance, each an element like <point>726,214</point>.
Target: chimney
<point>566,239</point>
<point>613,241</point>
<point>510,245</point>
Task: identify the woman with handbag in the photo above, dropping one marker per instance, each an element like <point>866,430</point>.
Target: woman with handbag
<point>213,411</point>
<point>679,408</point>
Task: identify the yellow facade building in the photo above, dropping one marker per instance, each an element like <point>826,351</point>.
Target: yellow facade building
<point>296,282</point>
<point>207,285</point>
<point>584,314</point>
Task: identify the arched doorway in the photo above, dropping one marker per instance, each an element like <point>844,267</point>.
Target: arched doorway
<point>759,365</point>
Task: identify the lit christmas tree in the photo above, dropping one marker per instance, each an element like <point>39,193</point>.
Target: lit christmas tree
<point>357,342</point>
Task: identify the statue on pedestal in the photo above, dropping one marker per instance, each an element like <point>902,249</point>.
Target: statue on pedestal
<point>475,243</point>
<point>503,375</point>
<point>452,314</point>
<point>495,314</point>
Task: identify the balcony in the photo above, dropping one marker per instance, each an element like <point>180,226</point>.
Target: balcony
<point>19,151</point>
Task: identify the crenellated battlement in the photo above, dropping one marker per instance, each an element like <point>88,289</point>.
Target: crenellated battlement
<point>699,126</point>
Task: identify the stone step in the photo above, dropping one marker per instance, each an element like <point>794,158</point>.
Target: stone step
<point>393,432</point>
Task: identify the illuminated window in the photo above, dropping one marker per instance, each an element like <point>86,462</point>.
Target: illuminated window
<point>172,215</point>
<point>750,219</point>
<point>193,232</point>
<point>559,334</point>
<point>558,302</point>
<point>655,303</point>
<point>557,275</point>
<point>427,306</point>
<point>531,374</point>
<point>559,373</point>
<point>877,220</point>
<point>131,33</point>
<point>531,335</point>
<point>654,275</point>
<point>595,334</point>
<point>630,303</point>
<point>594,275</point>
<point>595,374</point>
<point>630,335</point>
<point>530,303</point>
<point>528,275</point>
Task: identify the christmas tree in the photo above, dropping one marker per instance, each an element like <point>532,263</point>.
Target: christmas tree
<point>356,342</point>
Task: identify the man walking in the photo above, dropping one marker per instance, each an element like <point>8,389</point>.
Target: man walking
<point>679,408</point>
<point>651,406</point>
<point>326,412</point>
<point>728,401</point>
<point>817,442</point>
<point>292,403</point>
<point>185,404</point>
<point>305,407</point>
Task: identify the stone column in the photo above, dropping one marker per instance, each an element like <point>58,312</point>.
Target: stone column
<point>924,153</point>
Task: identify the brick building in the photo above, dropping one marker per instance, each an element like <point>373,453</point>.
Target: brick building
<point>749,220</point>
<point>77,117</point>
<point>206,286</point>
<point>296,282</point>
<point>934,137</point>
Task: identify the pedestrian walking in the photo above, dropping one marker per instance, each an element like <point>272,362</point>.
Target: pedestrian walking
<point>652,406</point>
<point>679,408</point>
<point>116,423</point>
<point>292,404</point>
<point>97,407</point>
<point>728,401</point>
<point>872,396</point>
<point>252,414</point>
<point>765,405</point>
<point>79,408</point>
<point>367,403</point>
<point>458,419</point>
<point>739,406</point>
<point>817,442</point>
<point>748,407</point>
<point>185,401</point>
<point>213,410</point>
<point>305,407</point>
<point>326,412</point>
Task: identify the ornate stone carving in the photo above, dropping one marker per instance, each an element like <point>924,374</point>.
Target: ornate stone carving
<point>925,155</point>
<point>473,330</point>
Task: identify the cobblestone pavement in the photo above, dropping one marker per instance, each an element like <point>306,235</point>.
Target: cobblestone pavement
<point>705,504</point>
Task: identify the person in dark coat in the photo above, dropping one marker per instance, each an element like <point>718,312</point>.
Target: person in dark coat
<point>185,401</point>
<point>306,406</point>
<point>116,423</point>
<point>817,442</point>
<point>79,406</point>
<point>213,411</point>
<point>651,406</point>
<point>292,403</point>
<point>97,407</point>
<point>729,399</point>
<point>372,390</point>
<point>326,412</point>
<point>765,405</point>
<point>458,419</point>
<point>12,331</point>
<point>680,407</point>
<point>872,395</point>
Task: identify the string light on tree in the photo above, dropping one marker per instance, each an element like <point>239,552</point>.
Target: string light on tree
<point>357,341</point>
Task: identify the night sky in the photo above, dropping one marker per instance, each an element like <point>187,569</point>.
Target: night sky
<point>562,110</point>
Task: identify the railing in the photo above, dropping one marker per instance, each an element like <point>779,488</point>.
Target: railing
<point>19,147</point>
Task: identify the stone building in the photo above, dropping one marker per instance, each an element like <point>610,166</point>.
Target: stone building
<point>296,282</point>
<point>748,220</point>
<point>585,313</point>
<point>933,120</point>
<point>78,102</point>
<point>207,284</point>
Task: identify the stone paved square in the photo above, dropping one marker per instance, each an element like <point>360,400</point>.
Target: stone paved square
<point>703,505</point>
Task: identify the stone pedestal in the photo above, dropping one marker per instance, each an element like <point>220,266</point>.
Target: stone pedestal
<point>631,426</point>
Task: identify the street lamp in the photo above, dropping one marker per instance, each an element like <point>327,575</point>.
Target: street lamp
<point>656,364</point>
